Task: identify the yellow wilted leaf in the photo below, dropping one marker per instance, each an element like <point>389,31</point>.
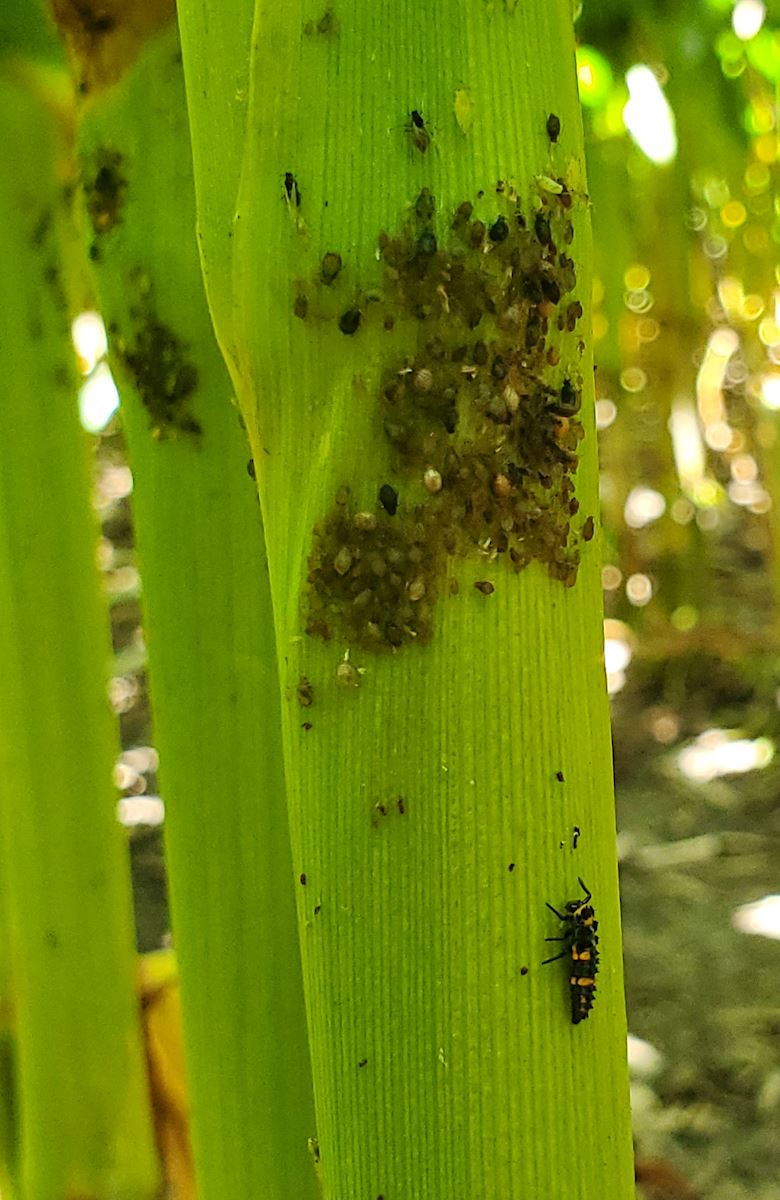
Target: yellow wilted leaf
<point>158,990</point>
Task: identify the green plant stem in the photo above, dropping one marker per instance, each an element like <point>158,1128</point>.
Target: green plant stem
<point>440,1069</point>
<point>209,627</point>
<point>83,1122</point>
<point>217,138</point>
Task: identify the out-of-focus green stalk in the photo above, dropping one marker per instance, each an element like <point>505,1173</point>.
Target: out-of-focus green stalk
<point>209,626</point>
<point>433,798</point>
<point>83,1122</point>
<point>215,44</point>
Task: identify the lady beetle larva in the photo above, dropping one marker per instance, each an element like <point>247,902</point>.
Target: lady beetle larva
<point>582,948</point>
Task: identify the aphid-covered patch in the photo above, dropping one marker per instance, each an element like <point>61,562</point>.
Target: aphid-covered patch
<point>104,189</point>
<point>159,366</point>
<point>481,417</point>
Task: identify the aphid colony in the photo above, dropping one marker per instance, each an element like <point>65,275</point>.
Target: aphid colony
<point>482,418</point>
<point>104,187</point>
<point>159,366</point>
<point>582,951</point>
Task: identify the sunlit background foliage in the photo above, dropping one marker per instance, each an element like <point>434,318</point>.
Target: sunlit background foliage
<point>680,110</point>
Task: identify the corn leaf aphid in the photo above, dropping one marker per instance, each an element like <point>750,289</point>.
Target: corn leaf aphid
<point>581,949</point>
<point>425,205</point>
<point>330,267</point>
<point>388,498</point>
<point>292,189</point>
<point>553,127</point>
<point>349,321</point>
<point>419,132</point>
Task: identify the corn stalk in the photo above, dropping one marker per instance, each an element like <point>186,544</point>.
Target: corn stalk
<point>79,1122</point>
<point>408,343</point>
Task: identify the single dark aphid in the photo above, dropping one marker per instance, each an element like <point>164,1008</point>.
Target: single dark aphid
<point>524,970</point>
<point>425,205</point>
<point>553,127</point>
<point>303,880</point>
<point>542,229</point>
<point>499,230</point>
<point>250,469</point>
<point>426,242</point>
<point>292,189</point>
<point>419,133</point>
<point>575,837</point>
<point>582,950</point>
<point>570,397</point>
<point>485,587</point>
<point>388,498</point>
<point>330,266</point>
<point>349,322</point>
<point>559,776</point>
<point>588,529</point>
<point>568,402</point>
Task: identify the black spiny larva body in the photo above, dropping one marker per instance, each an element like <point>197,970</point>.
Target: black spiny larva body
<point>582,949</point>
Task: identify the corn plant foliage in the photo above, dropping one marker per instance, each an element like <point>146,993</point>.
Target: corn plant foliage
<point>82,1125</point>
<point>209,628</point>
<point>472,736</point>
<point>394,236</point>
